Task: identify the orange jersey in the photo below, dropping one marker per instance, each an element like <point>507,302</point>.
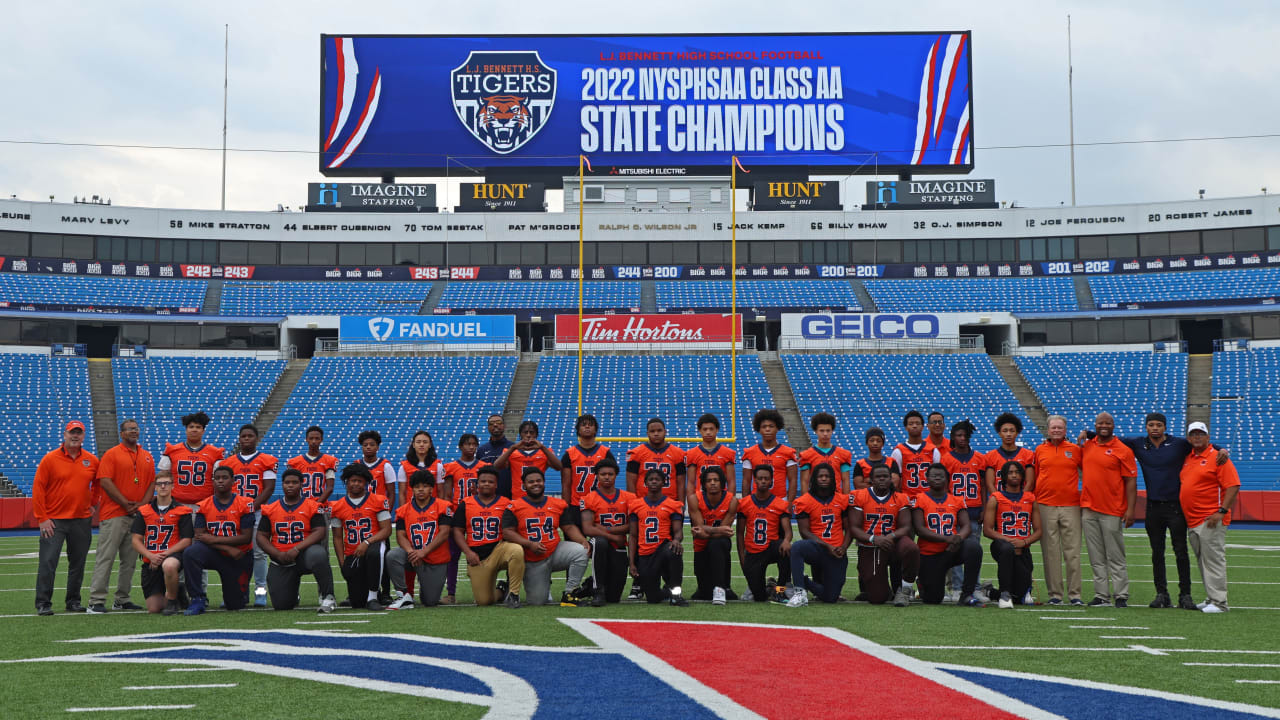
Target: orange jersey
<point>781,457</point>
<point>654,522</point>
<point>288,525</point>
<point>1058,473</point>
<point>539,522</point>
<point>422,524</point>
<point>826,519</point>
<point>699,457</point>
<point>611,512</point>
<point>966,477</point>
<point>406,470</point>
<point>384,478</point>
<point>943,444</point>
<point>667,458</point>
<point>160,530</point>
<point>940,517</point>
<point>915,462</point>
<point>837,457</point>
<point>464,479</point>
<point>579,471</point>
<point>1203,481</point>
<point>481,524</point>
<point>879,515</point>
<point>761,522</point>
<point>314,471</point>
<point>225,521</point>
<point>1023,456</point>
<point>192,471</point>
<point>863,467</point>
<point>358,520</point>
<point>1105,466</point>
<point>250,471</point>
<point>519,460</point>
<point>1013,513</point>
<point>714,516</point>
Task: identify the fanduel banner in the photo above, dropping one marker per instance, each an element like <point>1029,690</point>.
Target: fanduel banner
<point>501,197</point>
<point>371,197</point>
<point>854,330</point>
<point>796,195</point>
<point>621,332</point>
<point>645,104</point>
<point>491,331</point>
<point>931,194</point>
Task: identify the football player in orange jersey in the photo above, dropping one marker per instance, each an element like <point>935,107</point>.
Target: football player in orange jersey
<point>477,528</point>
<point>655,542</point>
<point>861,474</point>
<point>422,526</point>
<point>706,454</point>
<point>604,520</point>
<point>914,455</point>
<point>529,452</point>
<point>161,531</point>
<point>971,473</point>
<point>421,455</point>
<point>880,520</point>
<point>535,523</point>
<point>1012,522</point>
<point>255,479</point>
<point>578,476</point>
<point>824,426</point>
<point>361,521</point>
<point>946,539</point>
<point>461,476</point>
<point>318,469</point>
<point>712,510</point>
<point>767,423</point>
<point>382,473</point>
<point>657,454</point>
<point>223,525</point>
<point>822,516</point>
<point>292,532</point>
<point>1009,427</point>
<point>764,534</point>
<point>190,462</point>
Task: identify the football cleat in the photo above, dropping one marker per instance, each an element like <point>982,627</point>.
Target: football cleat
<point>1054,601</point>
<point>502,589</point>
<point>982,595</point>
<point>44,609</point>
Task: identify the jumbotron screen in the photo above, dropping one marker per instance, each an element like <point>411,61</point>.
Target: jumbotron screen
<point>646,104</point>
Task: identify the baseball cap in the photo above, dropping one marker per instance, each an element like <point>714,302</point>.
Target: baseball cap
<point>1197,426</point>
<point>74,425</point>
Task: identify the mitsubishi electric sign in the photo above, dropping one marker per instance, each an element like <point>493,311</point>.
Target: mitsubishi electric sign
<point>388,331</point>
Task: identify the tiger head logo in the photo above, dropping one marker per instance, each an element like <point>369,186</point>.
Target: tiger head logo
<point>504,121</point>
<point>503,97</point>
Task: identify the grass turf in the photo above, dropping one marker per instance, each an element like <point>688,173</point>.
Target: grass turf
<point>941,634</point>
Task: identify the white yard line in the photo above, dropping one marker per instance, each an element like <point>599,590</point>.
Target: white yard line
<point>1254,665</point>
<point>1108,627</point>
<point>129,708</point>
<point>1141,637</point>
<point>180,687</point>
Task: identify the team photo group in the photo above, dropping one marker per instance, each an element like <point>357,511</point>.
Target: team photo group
<point>913,517</point>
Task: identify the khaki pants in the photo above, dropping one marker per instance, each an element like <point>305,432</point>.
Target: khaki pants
<point>484,577</point>
<point>1104,538</point>
<point>115,538</point>
<point>1210,546</point>
<point>1060,543</point>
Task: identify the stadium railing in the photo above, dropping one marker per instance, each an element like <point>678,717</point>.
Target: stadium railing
<point>796,343</point>
<point>713,344</point>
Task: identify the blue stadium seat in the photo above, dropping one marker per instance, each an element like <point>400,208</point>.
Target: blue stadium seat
<point>1186,287</point>
<point>338,297</point>
<point>39,395</point>
<point>1030,294</point>
<point>107,292</point>
<point>707,294</point>
<point>550,294</point>
<point>1245,413</point>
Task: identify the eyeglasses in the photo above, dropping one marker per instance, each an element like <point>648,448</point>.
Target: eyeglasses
<point>163,482</point>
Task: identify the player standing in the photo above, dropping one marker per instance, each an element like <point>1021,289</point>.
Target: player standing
<point>941,521</point>
<point>190,462</point>
<point>1009,427</point>
<point>708,453</point>
<point>880,520</point>
<point>292,531</point>
<point>318,469</point>
<point>915,455</point>
<point>861,474</point>
<point>655,546</point>
<point>255,480</point>
<point>161,531</point>
<point>578,474</point>
<point>937,428</point>
<point>421,455</point>
<point>382,474</point>
<point>711,515</point>
<point>529,452</point>
<point>604,520</point>
<point>477,529</point>
<point>824,426</point>
<point>769,451</point>
<point>657,454</point>
<point>1013,523</point>
<point>361,522</point>
<point>423,525</point>
<point>764,534</point>
<point>535,523</point>
<point>223,525</point>
<point>461,475</point>
<point>970,473</point>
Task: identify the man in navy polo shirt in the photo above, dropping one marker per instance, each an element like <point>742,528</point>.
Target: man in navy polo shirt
<point>492,450</point>
<point>1161,456</point>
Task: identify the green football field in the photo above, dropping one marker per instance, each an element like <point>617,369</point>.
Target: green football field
<point>1233,657</point>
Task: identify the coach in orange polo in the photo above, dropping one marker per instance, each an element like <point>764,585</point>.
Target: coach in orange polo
<point>1057,462</point>
<point>1208,491</point>
<point>126,479</point>
<point>62,497</point>
<point>1108,497</point>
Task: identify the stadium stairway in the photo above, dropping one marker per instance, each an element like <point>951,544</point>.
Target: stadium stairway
<point>212,298</point>
<point>648,296</point>
<point>284,386</point>
<point>864,297</point>
<point>518,396</point>
<point>8,489</point>
<point>1199,390</point>
<point>784,401</point>
<point>1022,390</point>
<point>1084,293</point>
<point>102,394</point>
<point>433,298</point>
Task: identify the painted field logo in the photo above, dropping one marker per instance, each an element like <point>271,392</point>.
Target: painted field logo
<point>503,98</point>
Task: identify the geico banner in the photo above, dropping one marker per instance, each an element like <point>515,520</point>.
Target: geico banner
<point>495,331</point>
<point>854,330</point>
<point>622,332</point>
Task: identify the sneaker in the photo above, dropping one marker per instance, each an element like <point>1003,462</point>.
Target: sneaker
<point>75,606</point>
<point>971,601</point>
<point>1212,609</point>
<point>403,601</point>
<point>171,607</point>
<point>97,609</point>
<point>44,609</point>
<point>568,599</point>
<point>637,593</point>
<point>748,597</point>
<point>982,595</point>
<point>1055,601</point>
<point>598,601</point>
<point>502,589</point>
<point>196,607</point>
<point>799,599</point>
<point>126,605</point>
<point>952,596</point>
<point>860,597</point>
<point>1028,599</point>
<point>1185,602</point>
<point>717,596</point>
<point>902,598</point>
<point>780,595</point>
<point>770,582</point>
<point>1122,602</point>
<point>260,597</point>
<point>1161,601</point>
<point>677,598</point>
<point>374,606</point>
<point>327,604</point>
<point>1006,601</point>
<point>449,600</point>
<point>345,603</point>
<point>1098,602</point>
<point>1077,602</point>
<point>1202,605</point>
<point>511,601</point>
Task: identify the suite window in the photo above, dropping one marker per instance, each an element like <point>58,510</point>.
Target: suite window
<point>1093,246</point>
<point>164,250</point>
<point>1164,329</point>
<point>405,254</point>
<point>1033,333</point>
<point>79,247</point>
<point>633,253</point>
<point>1137,331</point>
<point>660,253</point>
<point>533,253</point>
<point>716,195</point>
<point>1068,248</point>
<point>562,254</point>
<point>1273,238</point>
<point>1237,326</point>
<point>213,336</point>
<point>262,253</point>
<point>323,254</point>
<point>1184,243</point>
<point>1058,332</point>
<point>1154,244</point>
<point>378,253</point>
<point>760,252</point>
<point>481,253</point>
<point>1266,327</point>
<point>610,253</point>
<point>858,252</point>
<point>264,336</point>
<point>16,244</point>
<point>646,195</point>
<point>186,336</point>
<point>1249,239</point>
<point>1217,241</point>
<point>179,254</point>
<point>1123,246</point>
<point>508,253</point>
<point>1111,332</point>
<point>786,251</point>
<point>432,253</point>
<point>1084,332</point>
<point>684,253</point>
<point>131,334</point>
<point>161,336</point>
<point>50,246</point>
<point>350,253</point>
<point>713,252</point>
<point>890,251</point>
<point>679,195</point>
<point>10,331</point>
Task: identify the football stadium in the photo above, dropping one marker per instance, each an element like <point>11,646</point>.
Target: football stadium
<point>641,376</point>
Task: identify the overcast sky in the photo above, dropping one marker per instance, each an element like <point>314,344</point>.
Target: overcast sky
<point>133,73</point>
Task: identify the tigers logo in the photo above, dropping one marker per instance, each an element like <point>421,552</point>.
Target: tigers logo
<point>503,98</point>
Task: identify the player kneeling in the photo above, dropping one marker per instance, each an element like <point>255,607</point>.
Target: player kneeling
<point>535,523</point>
<point>422,535</point>
<point>655,547</point>
<point>942,522</point>
<point>223,526</point>
<point>477,529</point>
<point>604,520</point>
<point>712,510</point>
<point>880,520</point>
<point>1012,521</point>
<point>821,514</point>
<point>291,533</point>
<point>764,533</point>
<point>161,531</point>
<point>361,521</point>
